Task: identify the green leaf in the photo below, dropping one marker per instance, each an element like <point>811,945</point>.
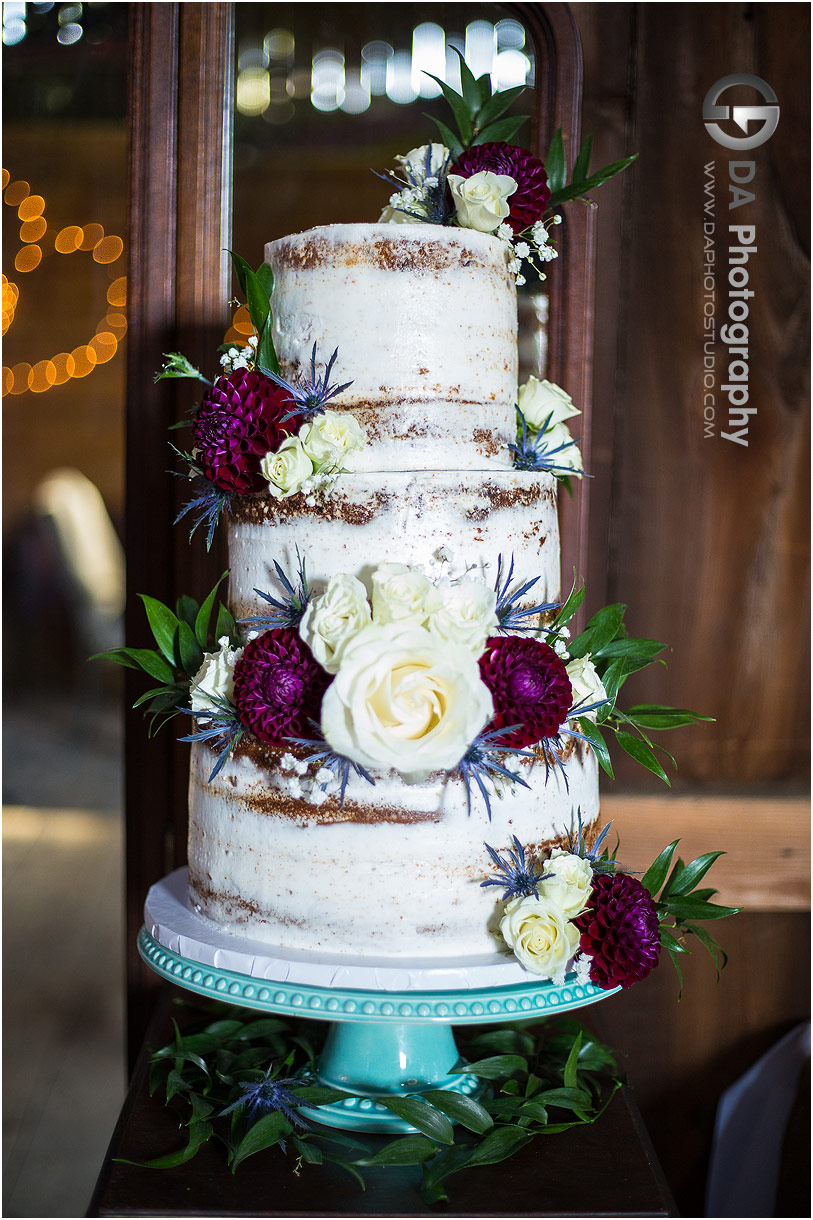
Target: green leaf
<point>582,165</point>
<point>670,942</point>
<point>199,1133</point>
<point>318,1094</point>
<point>692,873</point>
<point>164,626</point>
<point>503,129</point>
<point>572,1066</point>
<point>676,963</point>
<point>656,874</point>
<point>265,277</point>
<point>225,624</point>
<point>154,692</point>
<point>422,1115</point>
<point>634,648</point>
<point>500,1144</point>
<point>497,104</point>
<point>176,1084</point>
<point>241,270</point>
<point>201,1108</point>
<point>409,1150</point>
<point>555,165</point>
<point>464,1110</point>
<point>496,1066</point>
<point>535,1109</point>
<point>448,137</point>
<point>566,1099</point>
<point>654,717</point>
<point>483,89</point>
<point>468,85</point>
<point>612,679</point>
<point>204,615</point>
<point>593,735</point>
<point>449,1161</point>
<point>186,608</point>
<point>268,1130</point>
<point>459,109</point>
<point>708,942</point>
<point>576,189</point>
<point>309,1152</point>
<point>642,753</point>
<point>146,659</point>
<point>599,632</point>
<point>574,600</point>
<point>190,650</point>
<point>505,1041</point>
<point>266,352</point>
<point>692,908</point>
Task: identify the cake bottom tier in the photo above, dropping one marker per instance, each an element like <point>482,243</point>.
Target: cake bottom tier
<point>396,871</point>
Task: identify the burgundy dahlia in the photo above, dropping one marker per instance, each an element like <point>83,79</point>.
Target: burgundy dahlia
<point>529,686</point>
<point>531,197</point>
<point>278,687</point>
<point>620,931</point>
<point>237,424</point>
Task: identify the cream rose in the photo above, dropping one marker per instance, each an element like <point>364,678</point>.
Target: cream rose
<point>333,618</point>
<point>587,685</point>
<point>569,455</point>
<point>415,160</point>
<point>543,940</point>
<point>542,400</point>
<point>481,200</point>
<point>214,682</point>
<point>568,881</point>
<point>401,594</point>
<point>406,700</point>
<point>466,614</point>
<point>331,439</point>
<point>287,469</point>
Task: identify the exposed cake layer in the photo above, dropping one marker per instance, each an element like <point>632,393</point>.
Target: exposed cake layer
<point>425,322</point>
<point>447,522</point>
<point>397,870</point>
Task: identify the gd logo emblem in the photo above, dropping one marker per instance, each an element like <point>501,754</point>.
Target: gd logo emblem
<point>767,115</point>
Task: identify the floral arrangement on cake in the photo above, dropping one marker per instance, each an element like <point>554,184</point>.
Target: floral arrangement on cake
<point>475,179</point>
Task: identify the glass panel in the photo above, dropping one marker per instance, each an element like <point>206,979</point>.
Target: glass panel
<point>327,95</point>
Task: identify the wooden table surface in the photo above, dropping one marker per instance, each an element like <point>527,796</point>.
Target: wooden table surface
<point>606,1169</point>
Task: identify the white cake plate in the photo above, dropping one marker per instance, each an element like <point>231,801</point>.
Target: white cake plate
<point>391,1018</point>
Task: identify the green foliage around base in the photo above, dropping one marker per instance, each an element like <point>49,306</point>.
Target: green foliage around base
<point>539,1080</point>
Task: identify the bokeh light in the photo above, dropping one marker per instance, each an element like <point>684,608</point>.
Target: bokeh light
<point>28,258</point>
<point>68,240</point>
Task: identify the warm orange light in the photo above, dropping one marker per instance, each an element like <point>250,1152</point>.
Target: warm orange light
<point>20,378</point>
<point>33,230</point>
<point>31,207</point>
<point>104,346</point>
<point>64,364</point>
<point>43,376</point>
<point>8,376</point>
<point>117,323</point>
<point>4,181</point>
<point>28,258</point>
<point>16,192</point>
<point>91,236</point>
<point>108,250</point>
<point>68,240</point>
<point>84,359</point>
<point>242,322</point>
<point>117,292</point>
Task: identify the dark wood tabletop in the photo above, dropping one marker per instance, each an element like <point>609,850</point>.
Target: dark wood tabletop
<point>607,1169</point>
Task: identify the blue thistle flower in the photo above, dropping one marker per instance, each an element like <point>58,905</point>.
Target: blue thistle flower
<point>208,502</point>
<point>308,397</point>
<point>481,763</point>
<point>531,452</point>
<point>266,1096</point>
<point>319,751</point>
<point>579,848</point>
<point>288,611</point>
<point>511,616</point>
<point>519,877</point>
<point>221,729</point>
<point>436,206</point>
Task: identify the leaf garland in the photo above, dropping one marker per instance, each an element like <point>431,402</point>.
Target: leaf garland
<point>541,1080</point>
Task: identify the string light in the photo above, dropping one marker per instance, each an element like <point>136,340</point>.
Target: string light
<point>105,249</point>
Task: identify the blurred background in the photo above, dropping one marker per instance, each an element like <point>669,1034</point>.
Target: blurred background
<point>707,542</point>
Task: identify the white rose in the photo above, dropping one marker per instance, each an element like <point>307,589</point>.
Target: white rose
<point>287,469</point>
<point>467,613</point>
<point>569,455</point>
<point>542,938</point>
<point>480,201</point>
<point>400,594</point>
<point>415,160</point>
<point>567,882</point>
<point>333,618</point>
<point>539,400</point>
<point>587,685</point>
<point>215,679</point>
<point>331,439</point>
<point>404,699</point>
<point>394,216</point>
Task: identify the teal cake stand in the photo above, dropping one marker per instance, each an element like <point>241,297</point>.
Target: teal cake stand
<point>391,1020</point>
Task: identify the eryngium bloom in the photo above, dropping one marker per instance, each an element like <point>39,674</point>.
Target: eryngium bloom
<point>531,197</point>
<point>529,686</point>
<point>278,686</point>
<point>238,422</point>
<point>620,931</point>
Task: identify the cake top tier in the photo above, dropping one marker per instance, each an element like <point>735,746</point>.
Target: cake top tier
<point>424,319</point>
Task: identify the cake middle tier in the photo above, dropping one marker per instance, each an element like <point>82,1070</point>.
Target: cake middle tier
<point>446,522</point>
<point>424,319</point>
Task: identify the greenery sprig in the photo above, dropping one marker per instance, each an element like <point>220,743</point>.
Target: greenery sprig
<point>240,1080</point>
<point>616,655</point>
<point>257,287</point>
<point>182,636</point>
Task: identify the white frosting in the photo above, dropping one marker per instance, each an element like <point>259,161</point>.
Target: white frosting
<point>425,322</point>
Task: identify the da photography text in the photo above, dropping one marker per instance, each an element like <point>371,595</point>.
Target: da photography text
<point>729,244</point>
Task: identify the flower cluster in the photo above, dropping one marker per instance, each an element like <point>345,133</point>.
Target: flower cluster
<point>324,446</point>
<point>543,439</point>
<point>570,911</point>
